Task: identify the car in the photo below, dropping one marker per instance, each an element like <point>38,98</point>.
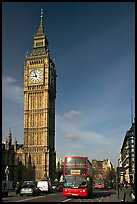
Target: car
<point>44,186</point>
<point>57,186</point>
<point>4,189</point>
<point>4,192</point>
<point>29,188</point>
<point>29,182</point>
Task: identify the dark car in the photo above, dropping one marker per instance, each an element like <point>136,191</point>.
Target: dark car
<point>57,186</point>
<point>4,192</point>
<point>60,186</point>
<point>29,189</point>
<point>4,189</point>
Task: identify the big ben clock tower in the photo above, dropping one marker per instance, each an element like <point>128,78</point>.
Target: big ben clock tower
<point>39,109</point>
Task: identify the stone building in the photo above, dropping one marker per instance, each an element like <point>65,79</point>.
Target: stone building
<point>59,168</point>
<point>12,156</point>
<point>127,155</point>
<point>103,170</point>
<point>39,107</point>
<point>37,155</point>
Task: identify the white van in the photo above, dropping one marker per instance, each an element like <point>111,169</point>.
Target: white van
<point>44,186</point>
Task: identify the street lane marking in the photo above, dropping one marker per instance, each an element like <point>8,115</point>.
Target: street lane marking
<point>100,199</point>
<point>28,199</point>
<point>66,200</point>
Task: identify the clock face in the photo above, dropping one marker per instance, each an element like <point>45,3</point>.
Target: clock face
<point>35,75</point>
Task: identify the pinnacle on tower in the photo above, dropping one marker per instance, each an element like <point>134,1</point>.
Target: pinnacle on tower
<point>41,27</point>
<point>9,134</point>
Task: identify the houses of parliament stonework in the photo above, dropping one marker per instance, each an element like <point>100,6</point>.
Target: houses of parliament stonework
<point>36,158</point>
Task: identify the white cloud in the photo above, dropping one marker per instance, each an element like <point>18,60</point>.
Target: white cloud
<point>10,90</point>
<point>71,136</point>
<point>73,132</point>
<point>72,139</point>
<point>85,137</point>
<point>71,114</point>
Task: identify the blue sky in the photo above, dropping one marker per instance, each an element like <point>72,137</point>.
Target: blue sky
<point>93,45</point>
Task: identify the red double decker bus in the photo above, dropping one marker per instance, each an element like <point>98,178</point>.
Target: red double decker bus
<point>99,184</point>
<point>78,179</point>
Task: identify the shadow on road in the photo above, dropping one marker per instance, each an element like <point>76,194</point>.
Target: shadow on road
<point>101,193</point>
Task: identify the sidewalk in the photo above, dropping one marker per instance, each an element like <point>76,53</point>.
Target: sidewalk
<point>117,198</point>
<point>114,197</point>
<point>11,193</point>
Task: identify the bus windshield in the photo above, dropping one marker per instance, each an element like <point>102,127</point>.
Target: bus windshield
<point>70,161</point>
<point>75,181</point>
<point>99,181</point>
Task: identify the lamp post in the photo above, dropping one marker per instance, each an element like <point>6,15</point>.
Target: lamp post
<point>118,178</point>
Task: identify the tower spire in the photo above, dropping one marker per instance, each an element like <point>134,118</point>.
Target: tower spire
<point>41,13</point>
<point>41,27</point>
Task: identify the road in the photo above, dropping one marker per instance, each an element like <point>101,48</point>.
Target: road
<point>98,196</point>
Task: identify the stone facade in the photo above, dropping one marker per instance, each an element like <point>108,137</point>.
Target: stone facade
<point>39,107</point>
<point>127,155</point>
<point>37,155</point>
<point>103,170</point>
<point>12,156</point>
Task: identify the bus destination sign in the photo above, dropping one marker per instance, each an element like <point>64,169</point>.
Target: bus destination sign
<point>75,171</point>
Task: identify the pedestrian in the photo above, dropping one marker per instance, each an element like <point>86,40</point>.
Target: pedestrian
<point>121,186</point>
<point>18,187</point>
<point>4,185</point>
<point>127,192</point>
<point>118,187</point>
<point>114,186</point>
<point>133,191</point>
